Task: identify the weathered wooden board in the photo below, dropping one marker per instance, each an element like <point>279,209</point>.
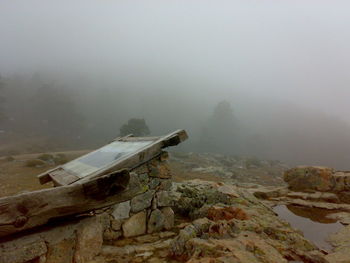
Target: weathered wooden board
<point>32,209</point>
<point>148,148</point>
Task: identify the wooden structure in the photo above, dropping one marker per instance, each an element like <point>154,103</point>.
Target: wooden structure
<point>95,180</point>
<point>125,152</point>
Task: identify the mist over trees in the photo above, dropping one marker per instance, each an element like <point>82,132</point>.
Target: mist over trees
<point>136,127</point>
<point>79,115</point>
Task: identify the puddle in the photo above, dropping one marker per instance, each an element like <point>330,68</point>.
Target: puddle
<point>313,222</point>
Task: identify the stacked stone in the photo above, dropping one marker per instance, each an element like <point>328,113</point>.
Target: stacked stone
<point>148,212</point>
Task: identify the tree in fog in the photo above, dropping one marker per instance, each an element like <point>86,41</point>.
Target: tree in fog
<point>55,113</point>
<point>137,127</point>
<point>220,131</point>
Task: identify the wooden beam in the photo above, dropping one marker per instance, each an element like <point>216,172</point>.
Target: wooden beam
<point>32,209</point>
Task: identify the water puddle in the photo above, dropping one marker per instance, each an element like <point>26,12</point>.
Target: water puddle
<point>313,222</point>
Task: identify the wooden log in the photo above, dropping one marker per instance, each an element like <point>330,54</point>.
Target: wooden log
<point>32,209</point>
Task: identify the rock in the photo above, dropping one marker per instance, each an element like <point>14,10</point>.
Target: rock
<point>226,213</point>
<point>144,255</point>
<point>166,234</point>
<point>344,197</point>
<point>110,235</point>
<point>306,178</point>
<point>89,240</point>
<point>121,210</point>
<point>147,238</point>
<point>62,252</point>
<point>228,190</point>
<point>267,193</point>
<point>156,221</point>
<point>142,201</point>
<point>117,251</point>
<point>160,170</point>
<point>165,185</point>
<point>143,177</point>
<point>117,224</point>
<point>154,183</point>
<point>169,217</point>
<point>164,198</point>
<point>26,249</point>
<point>135,225</point>
<point>154,203</point>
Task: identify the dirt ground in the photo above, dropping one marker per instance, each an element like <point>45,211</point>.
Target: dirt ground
<point>16,177</point>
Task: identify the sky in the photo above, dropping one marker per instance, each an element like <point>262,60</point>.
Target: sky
<point>290,51</point>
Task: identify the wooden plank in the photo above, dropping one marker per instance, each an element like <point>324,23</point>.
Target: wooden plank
<point>60,175</point>
<point>139,139</point>
<point>29,210</point>
<point>141,156</point>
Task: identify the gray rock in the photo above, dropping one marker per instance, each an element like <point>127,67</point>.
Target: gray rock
<point>154,183</point>
<point>169,217</point>
<point>122,210</point>
<point>89,240</point>
<point>156,221</point>
<point>164,198</point>
<point>135,225</point>
<point>142,201</point>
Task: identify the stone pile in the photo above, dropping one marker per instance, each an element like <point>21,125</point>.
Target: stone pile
<point>80,239</point>
<point>147,212</point>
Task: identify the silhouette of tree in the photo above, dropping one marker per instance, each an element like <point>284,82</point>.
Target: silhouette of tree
<point>137,127</point>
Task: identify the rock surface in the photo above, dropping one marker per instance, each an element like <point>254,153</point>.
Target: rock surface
<point>135,225</point>
<point>122,210</point>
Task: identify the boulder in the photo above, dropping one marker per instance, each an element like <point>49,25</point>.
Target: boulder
<point>310,178</point>
<point>135,225</point>
<point>89,240</point>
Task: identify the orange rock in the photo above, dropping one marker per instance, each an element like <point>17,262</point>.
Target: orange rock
<point>226,213</point>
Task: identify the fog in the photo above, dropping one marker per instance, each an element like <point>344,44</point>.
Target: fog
<point>91,65</point>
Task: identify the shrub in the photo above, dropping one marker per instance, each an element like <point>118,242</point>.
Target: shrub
<point>46,157</point>
<point>60,158</point>
<point>35,163</point>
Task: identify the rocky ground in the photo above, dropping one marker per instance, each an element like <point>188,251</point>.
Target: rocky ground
<point>223,210</point>
<point>239,170</point>
<point>216,222</point>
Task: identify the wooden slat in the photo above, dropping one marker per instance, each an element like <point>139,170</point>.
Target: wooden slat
<point>32,209</point>
<point>61,177</point>
<point>138,139</point>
